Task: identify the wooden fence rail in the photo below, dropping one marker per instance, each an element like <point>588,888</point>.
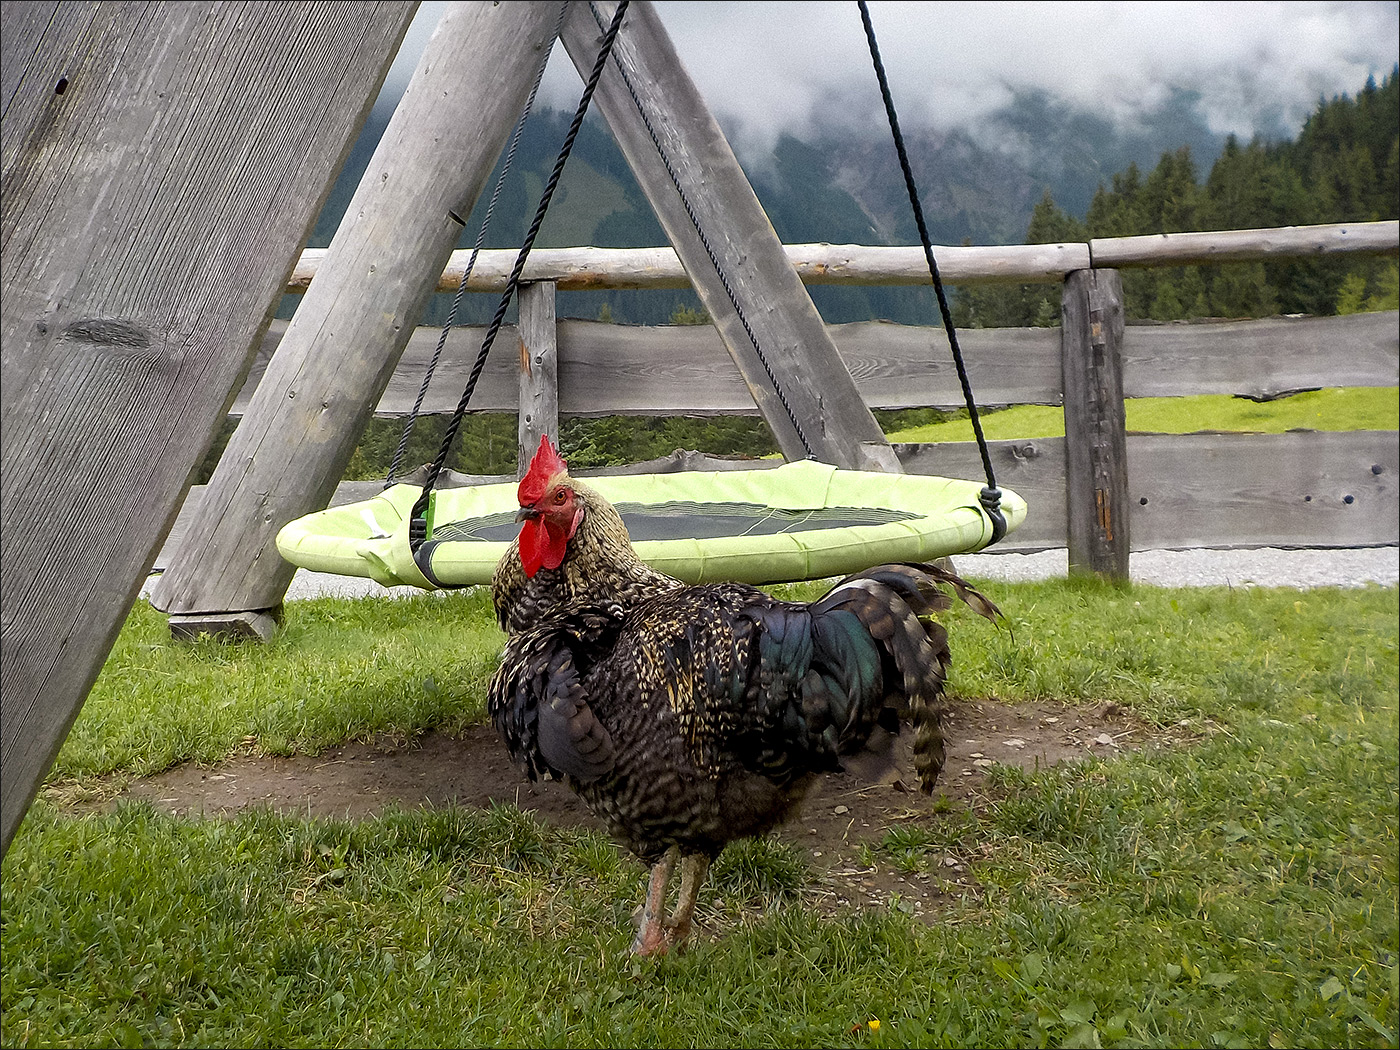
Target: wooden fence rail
<point>1187,490</point>
<point>589,269</point>
<point>610,369</point>
<point>1099,490</point>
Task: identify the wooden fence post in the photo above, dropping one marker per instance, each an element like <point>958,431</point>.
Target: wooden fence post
<point>163,164</point>
<point>1096,459</point>
<point>383,264</point>
<point>539,371</point>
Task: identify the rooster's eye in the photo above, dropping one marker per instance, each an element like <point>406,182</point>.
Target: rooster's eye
<point>560,497</point>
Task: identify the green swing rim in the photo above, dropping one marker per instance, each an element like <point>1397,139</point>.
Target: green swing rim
<point>369,538</point>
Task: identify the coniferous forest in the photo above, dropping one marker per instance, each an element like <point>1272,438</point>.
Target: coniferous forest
<point>1344,166</point>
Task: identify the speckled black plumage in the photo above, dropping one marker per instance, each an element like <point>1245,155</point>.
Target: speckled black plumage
<point>690,716</point>
<point>600,568</point>
<point>701,714</point>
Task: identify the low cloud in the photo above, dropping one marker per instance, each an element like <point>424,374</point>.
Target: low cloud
<point>769,68</point>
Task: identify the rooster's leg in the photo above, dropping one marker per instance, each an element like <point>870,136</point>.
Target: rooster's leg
<point>693,870</point>
<point>651,936</point>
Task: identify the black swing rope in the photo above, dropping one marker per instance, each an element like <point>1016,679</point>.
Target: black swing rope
<point>402,450</point>
<point>418,525</point>
<point>990,496</point>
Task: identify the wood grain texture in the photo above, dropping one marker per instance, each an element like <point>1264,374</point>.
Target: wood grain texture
<point>1096,467</point>
<point>539,372</point>
<point>1263,357</point>
<point>609,369</point>
<point>1300,489</point>
<point>402,223</point>
<point>586,268</point>
<point>738,266</point>
<point>1182,249</point>
<point>162,166</point>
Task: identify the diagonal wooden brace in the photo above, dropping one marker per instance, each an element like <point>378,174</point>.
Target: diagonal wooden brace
<point>740,265</point>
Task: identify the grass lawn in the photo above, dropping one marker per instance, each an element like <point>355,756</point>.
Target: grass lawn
<point>1335,408</point>
<point>1236,891</point>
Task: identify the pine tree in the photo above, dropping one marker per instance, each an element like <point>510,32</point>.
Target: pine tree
<point>1050,225</point>
<point>1343,167</point>
<point>1243,290</point>
<point>1352,296</point>
<point>1169,194</point>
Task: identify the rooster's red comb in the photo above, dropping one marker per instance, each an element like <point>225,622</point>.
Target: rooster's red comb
<point>543,467</point>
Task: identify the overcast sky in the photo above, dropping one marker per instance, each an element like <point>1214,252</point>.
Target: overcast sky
<point>765,67</point>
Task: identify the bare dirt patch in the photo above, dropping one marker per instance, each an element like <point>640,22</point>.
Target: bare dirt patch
<point>841,815</point>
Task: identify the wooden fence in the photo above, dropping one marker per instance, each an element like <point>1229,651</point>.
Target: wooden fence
<point>1300,489</point>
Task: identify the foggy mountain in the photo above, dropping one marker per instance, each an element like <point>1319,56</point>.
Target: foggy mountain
<point>842,186</point>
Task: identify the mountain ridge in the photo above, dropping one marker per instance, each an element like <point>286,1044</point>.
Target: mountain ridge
<point>842,184</point>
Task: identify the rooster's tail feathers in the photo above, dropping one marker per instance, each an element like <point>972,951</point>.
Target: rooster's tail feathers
<point>894,603</point>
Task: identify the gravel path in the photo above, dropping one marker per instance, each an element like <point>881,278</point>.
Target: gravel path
<point>1266,567</point>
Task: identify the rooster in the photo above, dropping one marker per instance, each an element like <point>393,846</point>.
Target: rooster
<point>686,716</point>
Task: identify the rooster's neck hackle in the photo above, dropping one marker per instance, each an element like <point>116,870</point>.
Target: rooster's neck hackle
<point>599,565</point>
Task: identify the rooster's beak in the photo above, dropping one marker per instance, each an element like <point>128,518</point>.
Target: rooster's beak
<point>527,514</point>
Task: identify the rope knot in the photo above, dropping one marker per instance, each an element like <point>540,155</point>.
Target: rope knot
<point>990,498</point>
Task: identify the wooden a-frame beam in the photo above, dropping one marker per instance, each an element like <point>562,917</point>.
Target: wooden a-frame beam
<point>321,386</point>
<point>788,333</point>
<point>162,166</point>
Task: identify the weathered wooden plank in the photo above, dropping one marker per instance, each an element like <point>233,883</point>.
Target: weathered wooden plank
<point>162,166</point>
<point>587,268</point>
<point>35,48</point>
<point>321,386</point>
<point>729,248</point>
<point>1263,357</point>
<point>1096,478</point>
<point>1201,490</point>
<point>1217,246</point>
<point>1300,489</point>
<point>539,371</point>
<point>608,369</point>
<point>622,369</point>
<point>668,374</point>
<point>1207,490</point>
